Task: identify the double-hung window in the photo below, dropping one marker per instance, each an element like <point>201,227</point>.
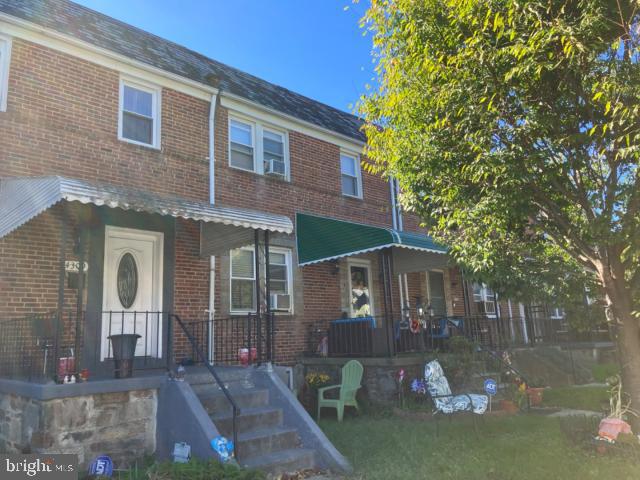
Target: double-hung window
<point>242,151</point>
<point>243,280</point>
<point>139,114</point>
<point>485,299</point>
<point>5,54</point>
<point>258,148</point>
<point>350,175</point>
<point>273,144</point>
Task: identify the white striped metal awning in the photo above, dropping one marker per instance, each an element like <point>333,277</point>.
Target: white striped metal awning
<point>23,198</point>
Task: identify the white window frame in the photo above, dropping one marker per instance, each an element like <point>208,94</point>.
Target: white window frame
<point>156,107</point>
<point>251,125</point>
<point>557,313</point>
<point>231,279</point>
<point>486,298</point>
<point>261,128</point>
<point>358,176</point>
<point>444,290</point>
<point>257,137</point>
<point>354,262</point>
<point>289,265</point>
<point>5,62</point>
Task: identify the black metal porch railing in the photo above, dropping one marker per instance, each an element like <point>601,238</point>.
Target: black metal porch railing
<point>45,346</point>
<point>236,340</point>
<point>201,357</point>
<point>381,336</point>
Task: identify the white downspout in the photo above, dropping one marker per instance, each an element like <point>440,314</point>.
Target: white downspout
<point>394,212</point>
<point>212,200</point>
<point>399,212</point>
<point>212,140</point>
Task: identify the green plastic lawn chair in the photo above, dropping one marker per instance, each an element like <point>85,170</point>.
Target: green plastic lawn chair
<point>351,377</point>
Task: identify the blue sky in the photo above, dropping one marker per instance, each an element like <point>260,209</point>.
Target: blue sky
<point>314,47</point>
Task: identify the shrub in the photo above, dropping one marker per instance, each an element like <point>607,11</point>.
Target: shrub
<point>602,371</point>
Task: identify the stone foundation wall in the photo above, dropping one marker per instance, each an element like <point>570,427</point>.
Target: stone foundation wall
<point>121,425</point>
<point>379,386</point>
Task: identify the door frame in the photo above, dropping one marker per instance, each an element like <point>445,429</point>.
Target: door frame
<point>95,221</point>
<point>157,238</point>
<point>359,262</point>
<point>444,288</point>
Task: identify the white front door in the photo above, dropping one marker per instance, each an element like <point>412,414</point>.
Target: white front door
<point>132,289</point>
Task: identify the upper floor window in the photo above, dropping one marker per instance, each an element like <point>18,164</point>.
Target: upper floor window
<point>139,114</point>
<point>258,148</point>
<point>5,54</point>
<point>350,174</point>
<point>485,299</point>
<point>241,145</point>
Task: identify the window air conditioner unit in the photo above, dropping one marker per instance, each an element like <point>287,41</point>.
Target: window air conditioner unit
<point>274,167</point>
<point>280,302</point>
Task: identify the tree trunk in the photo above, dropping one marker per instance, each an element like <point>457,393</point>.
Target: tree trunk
<point>627,337</point>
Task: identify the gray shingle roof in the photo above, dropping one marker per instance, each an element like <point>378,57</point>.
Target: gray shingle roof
<point>93,27</point>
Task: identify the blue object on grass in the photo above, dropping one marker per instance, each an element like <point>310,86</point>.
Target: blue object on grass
<point>223,447</point>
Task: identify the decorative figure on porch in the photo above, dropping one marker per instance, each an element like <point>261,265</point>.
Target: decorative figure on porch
<point>360,293</point>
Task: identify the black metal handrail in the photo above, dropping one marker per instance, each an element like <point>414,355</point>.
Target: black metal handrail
<point>203,358</point>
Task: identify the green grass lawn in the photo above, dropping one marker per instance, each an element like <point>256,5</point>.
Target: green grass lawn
<point>580,398</point>
<point>519,447</point>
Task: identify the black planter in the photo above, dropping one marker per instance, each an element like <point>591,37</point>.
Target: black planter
<point>124,349</point>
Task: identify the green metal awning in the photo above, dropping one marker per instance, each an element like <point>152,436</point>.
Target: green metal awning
<point>320,239</point>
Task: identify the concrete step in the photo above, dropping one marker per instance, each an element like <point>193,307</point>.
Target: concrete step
<point>215,402</point>
<point>264,441</point>
<point>230,376</point>
<point>284,461</point>
<point>249,419</point>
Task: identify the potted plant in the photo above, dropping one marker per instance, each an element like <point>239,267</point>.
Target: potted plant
<point>535,392</point>
<point>124,349</point>
<point>313,381</point>
<point>614,425</point>
<point>516,398</point>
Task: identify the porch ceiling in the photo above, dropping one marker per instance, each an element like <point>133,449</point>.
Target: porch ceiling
<point>320,239</point>
<point>23,198</point>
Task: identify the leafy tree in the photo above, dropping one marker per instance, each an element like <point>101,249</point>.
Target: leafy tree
<point>514,130</point>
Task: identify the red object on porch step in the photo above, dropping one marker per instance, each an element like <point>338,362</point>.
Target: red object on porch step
<point>66,366</point>
<point>243,355</point>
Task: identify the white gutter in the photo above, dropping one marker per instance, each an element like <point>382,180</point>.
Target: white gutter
<point>212,139</point>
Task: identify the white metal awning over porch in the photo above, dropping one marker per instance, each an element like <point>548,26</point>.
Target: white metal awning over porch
<point>23,198</point>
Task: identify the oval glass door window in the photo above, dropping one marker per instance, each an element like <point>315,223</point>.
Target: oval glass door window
<point>127,279</point>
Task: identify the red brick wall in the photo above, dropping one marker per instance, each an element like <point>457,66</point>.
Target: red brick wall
<point>62,119</point>
<point>314,187</point>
